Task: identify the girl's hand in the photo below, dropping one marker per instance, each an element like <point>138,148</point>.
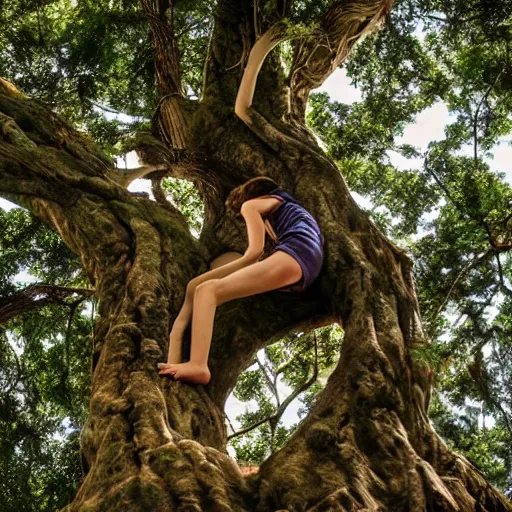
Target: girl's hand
<point>164,368</point>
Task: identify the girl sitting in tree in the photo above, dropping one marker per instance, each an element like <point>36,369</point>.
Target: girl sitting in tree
<point>293,265</point>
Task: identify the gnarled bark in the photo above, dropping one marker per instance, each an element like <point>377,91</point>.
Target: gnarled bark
<point>154,444</point>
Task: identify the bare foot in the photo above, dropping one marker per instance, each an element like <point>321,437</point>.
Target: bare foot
<point>188,372</point>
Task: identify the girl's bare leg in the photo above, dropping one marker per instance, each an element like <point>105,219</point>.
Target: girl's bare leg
<point>185,314</point>
<point>225,258</point>
<point>276,271</point>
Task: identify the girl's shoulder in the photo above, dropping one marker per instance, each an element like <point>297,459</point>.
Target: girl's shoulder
<point>283,195</point>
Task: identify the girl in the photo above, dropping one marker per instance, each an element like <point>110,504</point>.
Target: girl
<point>294,263</point>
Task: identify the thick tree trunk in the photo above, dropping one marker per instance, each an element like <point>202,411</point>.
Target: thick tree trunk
<point>154,444</point>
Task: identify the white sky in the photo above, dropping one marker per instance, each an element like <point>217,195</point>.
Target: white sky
<point>429,126</point>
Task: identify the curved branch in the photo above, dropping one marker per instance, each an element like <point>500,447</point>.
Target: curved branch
<point>266,131</point>
<point>315,58</point>
<point>340,28</point>
<point>123,177</point>
<point>263,46</point>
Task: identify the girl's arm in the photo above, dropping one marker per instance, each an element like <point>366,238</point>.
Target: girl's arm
<point>255,229</point>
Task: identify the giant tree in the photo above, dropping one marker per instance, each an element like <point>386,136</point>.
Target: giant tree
<point>153,444</point>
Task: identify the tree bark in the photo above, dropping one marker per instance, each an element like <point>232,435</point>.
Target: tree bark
<point>154,444</point>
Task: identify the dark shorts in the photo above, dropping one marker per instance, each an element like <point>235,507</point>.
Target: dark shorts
<point>309,256</point>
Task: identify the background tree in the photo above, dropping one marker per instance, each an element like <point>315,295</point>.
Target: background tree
<point>132,453</point>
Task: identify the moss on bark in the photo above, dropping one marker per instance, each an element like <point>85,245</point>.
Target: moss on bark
<point>154,444</point>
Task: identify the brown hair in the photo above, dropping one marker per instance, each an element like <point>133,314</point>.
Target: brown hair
<point>251,189</point>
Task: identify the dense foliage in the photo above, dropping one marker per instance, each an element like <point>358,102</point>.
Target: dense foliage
<point>449,206</point>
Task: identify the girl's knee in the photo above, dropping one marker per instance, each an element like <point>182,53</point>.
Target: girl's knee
<point>209,286</point>
<point>191,287</point>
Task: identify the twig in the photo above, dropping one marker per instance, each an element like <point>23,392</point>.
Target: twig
<point>269,380</point>
<point>448,20</point>
<point>444,188</point>
<point>274,418</point>
<point>248,429</point>
<point>229,422</point>
<point>464,271</point>
<point>504,287</point>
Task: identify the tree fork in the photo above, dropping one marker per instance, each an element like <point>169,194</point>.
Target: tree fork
<point>139,427</point>
<point>150,444</point>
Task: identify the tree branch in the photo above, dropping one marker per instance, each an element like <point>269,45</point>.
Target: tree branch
<point>479,373</point>
<point>19,370</point>
<point>274,418</point>
<point>319,55</point>
<point>160,15</point>
<point>36,296</point>
<point>503,286</point>
<point>450,20</point>
<point>159,196</point>
<point>123,177</point>
<point>475,117</point>
<point>263,46</point>
<point>116,112</point>
<point>461,274</point>
<point>270,384</point>
<point>479,219</point>
<point>229,422</point>
<point>170,121</point>
<point>266,131</point>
